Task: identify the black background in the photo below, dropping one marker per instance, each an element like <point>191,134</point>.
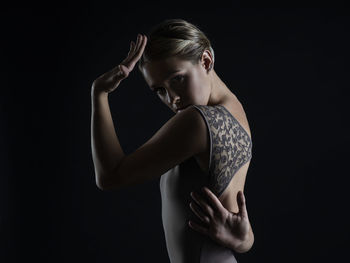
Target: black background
<point>288,67</point>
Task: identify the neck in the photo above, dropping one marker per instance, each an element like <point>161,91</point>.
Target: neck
<point>219,92</point>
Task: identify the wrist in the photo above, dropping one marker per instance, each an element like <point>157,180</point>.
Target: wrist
<point>246,244</point>
<point>98,93</point>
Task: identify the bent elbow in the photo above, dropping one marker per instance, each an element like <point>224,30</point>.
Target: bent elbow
<point>105,184</point>
<point>101,182</point>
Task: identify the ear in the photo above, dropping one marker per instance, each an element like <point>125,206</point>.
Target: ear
<point>207,60</point>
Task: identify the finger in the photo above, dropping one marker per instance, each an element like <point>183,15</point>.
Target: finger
<point>132,52</point>
<point>214,201</point>
<point>199,213</point>
<point>198,228</point>
<point>138,41</point>
<point>242,204</point>
<point>122,72</point>
<point>123,68</point>
<point>144,42</point>
<point>117,72</point>
<point>111,73</point>
<point>132,48</point>
<point>133,56</point>
<point>206,208</point>
<point>139,50</point>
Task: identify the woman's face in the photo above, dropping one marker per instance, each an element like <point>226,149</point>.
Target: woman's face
<point>178,83</point>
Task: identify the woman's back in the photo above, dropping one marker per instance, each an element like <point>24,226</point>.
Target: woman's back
<point>229,156</point>
<point>228,197</point>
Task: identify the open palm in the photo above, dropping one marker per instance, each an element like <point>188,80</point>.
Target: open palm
<point>110,80</point>
<point>226,228</point>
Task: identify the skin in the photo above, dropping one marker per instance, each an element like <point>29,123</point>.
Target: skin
<point>193,84</point>
<point>221,225</point>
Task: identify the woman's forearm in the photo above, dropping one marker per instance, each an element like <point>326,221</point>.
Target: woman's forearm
<point>106,149</point>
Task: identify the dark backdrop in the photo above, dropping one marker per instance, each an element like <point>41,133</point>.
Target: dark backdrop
<point>288,68</point>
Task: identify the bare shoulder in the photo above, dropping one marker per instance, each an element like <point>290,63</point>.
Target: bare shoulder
<point>235,107</point>
<point>189,121</point>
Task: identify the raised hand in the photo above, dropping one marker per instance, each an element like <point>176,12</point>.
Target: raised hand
<point>110,80</point>
<point>224,227</point>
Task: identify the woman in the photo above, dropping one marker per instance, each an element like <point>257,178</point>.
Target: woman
<point>203,146</point>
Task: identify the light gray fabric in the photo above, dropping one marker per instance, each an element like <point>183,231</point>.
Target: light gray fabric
<point>230,148</point>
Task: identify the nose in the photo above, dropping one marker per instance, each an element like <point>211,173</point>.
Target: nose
<point>173,99</point>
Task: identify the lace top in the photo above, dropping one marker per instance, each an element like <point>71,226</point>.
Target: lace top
<point>230,146</point>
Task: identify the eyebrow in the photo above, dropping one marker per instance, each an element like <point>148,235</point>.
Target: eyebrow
<point>168,76</point>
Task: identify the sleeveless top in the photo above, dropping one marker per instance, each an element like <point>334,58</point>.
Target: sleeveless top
<point>230,149</point>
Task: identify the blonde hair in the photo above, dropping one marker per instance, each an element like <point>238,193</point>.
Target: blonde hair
<point>175,37</point>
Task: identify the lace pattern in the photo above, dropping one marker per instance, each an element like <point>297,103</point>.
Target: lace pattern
<point>230,146</point>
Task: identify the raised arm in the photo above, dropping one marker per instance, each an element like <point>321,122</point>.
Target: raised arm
<point>183,136</point>
<point>106,149</point>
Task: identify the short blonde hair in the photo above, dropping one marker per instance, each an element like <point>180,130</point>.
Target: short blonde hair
<point>175,37</point>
